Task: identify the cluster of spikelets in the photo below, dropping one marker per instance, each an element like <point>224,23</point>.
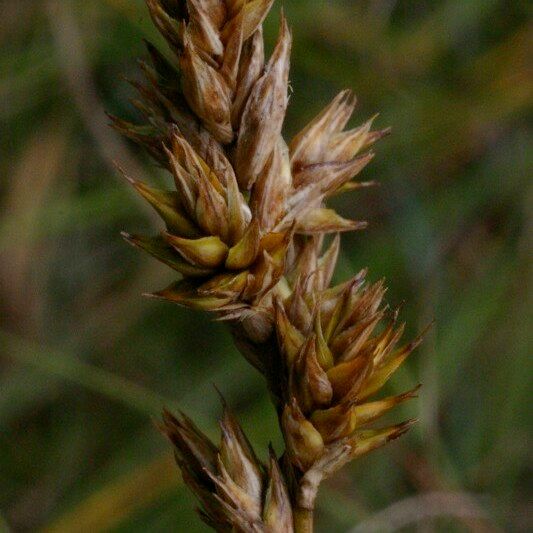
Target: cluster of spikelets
<point>335,358</point>
<point>244,226</point>
<point>236,491</point>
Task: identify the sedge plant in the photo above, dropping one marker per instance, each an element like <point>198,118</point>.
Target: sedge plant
<point>246,228</point>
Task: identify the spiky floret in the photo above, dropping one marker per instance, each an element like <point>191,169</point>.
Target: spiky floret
<point>244,225</point>
<point>235,490</point>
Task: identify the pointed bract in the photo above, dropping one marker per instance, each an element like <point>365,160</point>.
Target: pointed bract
<point>257,136</point>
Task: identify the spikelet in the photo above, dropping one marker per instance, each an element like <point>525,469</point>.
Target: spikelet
<point>338,349</point>
<point>235,490</point>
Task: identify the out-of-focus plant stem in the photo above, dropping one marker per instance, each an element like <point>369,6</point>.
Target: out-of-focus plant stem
<point>303,520</point>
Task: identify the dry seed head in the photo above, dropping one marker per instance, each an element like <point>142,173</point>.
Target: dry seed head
<point>234,489</point>
<point>214,114</point>
<point>244,226</point>
<point>343,362</point>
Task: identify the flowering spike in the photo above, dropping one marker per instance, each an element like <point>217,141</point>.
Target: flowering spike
<point>245,227</point>
<point>235,491</point>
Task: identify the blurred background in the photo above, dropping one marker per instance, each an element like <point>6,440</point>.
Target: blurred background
<point>86,363</point>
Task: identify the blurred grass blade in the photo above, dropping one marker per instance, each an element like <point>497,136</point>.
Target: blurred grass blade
<point>95,379</point>
<point>114,503</point>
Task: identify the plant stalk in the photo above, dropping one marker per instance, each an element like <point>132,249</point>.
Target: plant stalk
<point>303,520</point>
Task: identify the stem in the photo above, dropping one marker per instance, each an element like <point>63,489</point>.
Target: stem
<point>303,520</point>
<point>305,501</point>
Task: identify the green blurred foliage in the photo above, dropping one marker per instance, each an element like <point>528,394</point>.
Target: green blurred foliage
<point>87,363</point>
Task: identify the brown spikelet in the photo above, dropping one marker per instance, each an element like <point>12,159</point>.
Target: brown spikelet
<point>234,489</point>
<point>356,361</point>
<point>258,137</point>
